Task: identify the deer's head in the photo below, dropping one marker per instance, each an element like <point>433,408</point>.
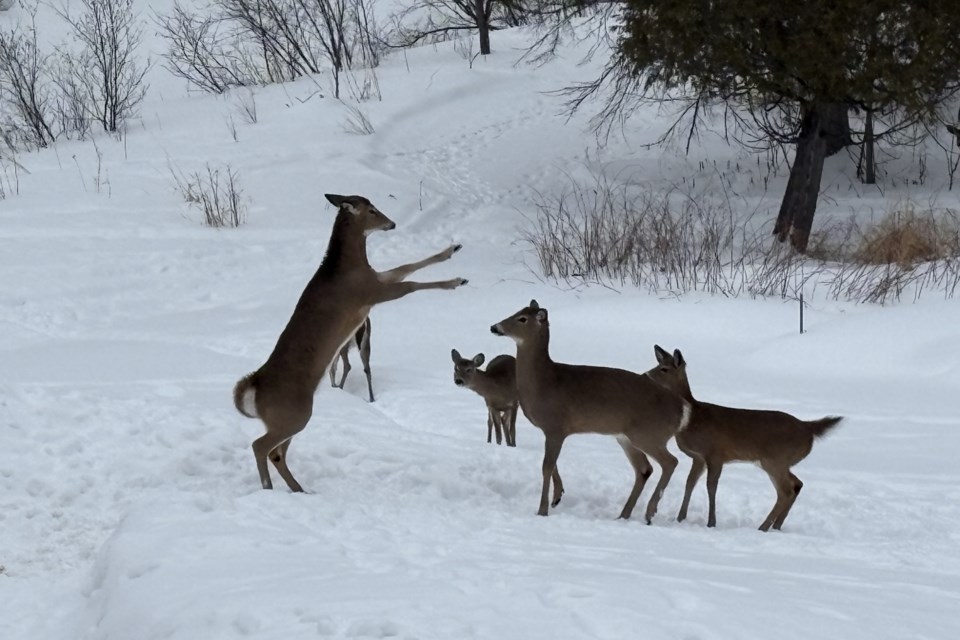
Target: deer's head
<point>464,369</point>
<point>671,370</point>
<point>529,322</point>
<point>364,213</point>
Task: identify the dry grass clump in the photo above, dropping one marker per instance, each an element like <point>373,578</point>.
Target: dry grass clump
<point>678,241</point>
<point>908,237</point>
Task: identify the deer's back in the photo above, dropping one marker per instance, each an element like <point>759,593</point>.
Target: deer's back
<point>579,398</point>
<point>748,435</point>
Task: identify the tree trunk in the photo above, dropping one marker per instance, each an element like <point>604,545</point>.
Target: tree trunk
<point>870,171</point>
<point>484,26</point>
<point>835,123</point>
<point>803,188</point>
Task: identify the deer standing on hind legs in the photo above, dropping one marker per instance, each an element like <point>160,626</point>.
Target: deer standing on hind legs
<point>362,340</point>
<point>332,306</point>
<point>716,435</point>
<point>563,399</point>
<point>498,388</point>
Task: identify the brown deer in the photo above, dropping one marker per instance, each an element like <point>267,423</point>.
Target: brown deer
<point>362,339</point>
<point>498,388</point>
<point>716,435</point>
<point>333,305</point>
<point>563,399</point>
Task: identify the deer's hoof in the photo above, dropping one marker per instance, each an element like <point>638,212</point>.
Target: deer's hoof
<point>457,247</point>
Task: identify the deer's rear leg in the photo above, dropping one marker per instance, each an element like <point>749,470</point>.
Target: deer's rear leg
<point>696,470</point>
<point>365,356</point>
<point>713,481</point>
<point>497,424</point>
<point>794,490</point>
<point>344,356</point>
<point>667,462</point>
<point>557,487</point>
<point>642,470</point>
<point>279,458</point>
<point>512,429</point>
<point>787,488</point>
<point>274,444</point>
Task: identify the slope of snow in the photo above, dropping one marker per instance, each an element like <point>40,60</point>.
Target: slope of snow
<point>129,501</point>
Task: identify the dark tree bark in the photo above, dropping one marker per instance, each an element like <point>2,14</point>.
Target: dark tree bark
<point>870,170</point>
<point>803,188</point>
<point>836,127</point>
<point>483,25</point>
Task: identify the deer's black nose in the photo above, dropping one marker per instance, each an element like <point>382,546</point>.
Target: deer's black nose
<point>458,382</point>
<point>496,330</point>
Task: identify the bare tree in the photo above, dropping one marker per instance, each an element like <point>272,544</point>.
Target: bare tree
<point>107,68</point>
<point>434,20</point>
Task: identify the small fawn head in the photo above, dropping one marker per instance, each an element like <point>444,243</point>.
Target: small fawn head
<point>529,322</point>
<point>368,216</point>
<point>671,371</point>
<point>464,369</point>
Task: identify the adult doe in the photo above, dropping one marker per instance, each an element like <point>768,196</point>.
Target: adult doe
<point>362,339</point>
<point>563,399</point>
<point>716,435</point>
<point>498,388</point>
<point>333,305</point>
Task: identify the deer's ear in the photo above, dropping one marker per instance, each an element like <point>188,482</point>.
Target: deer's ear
<point>662,356</point>
<point>541,315</point>
<point>455,355</point>
<point>341,202</point>
<point>678,358</point>
<point>534,305</point>
<point>478,359</point>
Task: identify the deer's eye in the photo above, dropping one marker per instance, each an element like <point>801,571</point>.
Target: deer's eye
<point>522,320</point>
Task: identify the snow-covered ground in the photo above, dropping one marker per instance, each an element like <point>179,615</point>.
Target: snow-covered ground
<point>129,501</point>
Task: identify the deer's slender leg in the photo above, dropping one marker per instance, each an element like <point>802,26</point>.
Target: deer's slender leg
<point>264,447</point>
<point>489,424</point>
<point>642,470</point>
<point>696,470</point>
<point>782,481</point>
<point>713,480</point>
<point>279,458</point>
<point>395,290</point>
<point>513,426</point>
<point>667,462</point>
<point>497,424</point>
<point>365,356</point>
<point>793,488</point>
<point>551,451</point>
<point>399,273</point>
<point>557,487</point>
<point>344,355</point>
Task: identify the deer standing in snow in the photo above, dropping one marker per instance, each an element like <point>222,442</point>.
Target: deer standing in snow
<point>498,388</point>
<point>564,399</point>
<point>716,435</point>
<point>331,308</point>
<point>362,339</point>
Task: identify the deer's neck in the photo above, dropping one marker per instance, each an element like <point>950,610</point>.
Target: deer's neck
<point>347,248</point>
<point>533,360</point>
<point>485,384</point>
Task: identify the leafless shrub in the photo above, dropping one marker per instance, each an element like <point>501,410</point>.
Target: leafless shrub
<point>23,87</point>
<point>680,242</point>
<point>247,106</point>
<point>208,52</point>
<point>357,122</point>
<point>107,69</point>
<point>215,192</point>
